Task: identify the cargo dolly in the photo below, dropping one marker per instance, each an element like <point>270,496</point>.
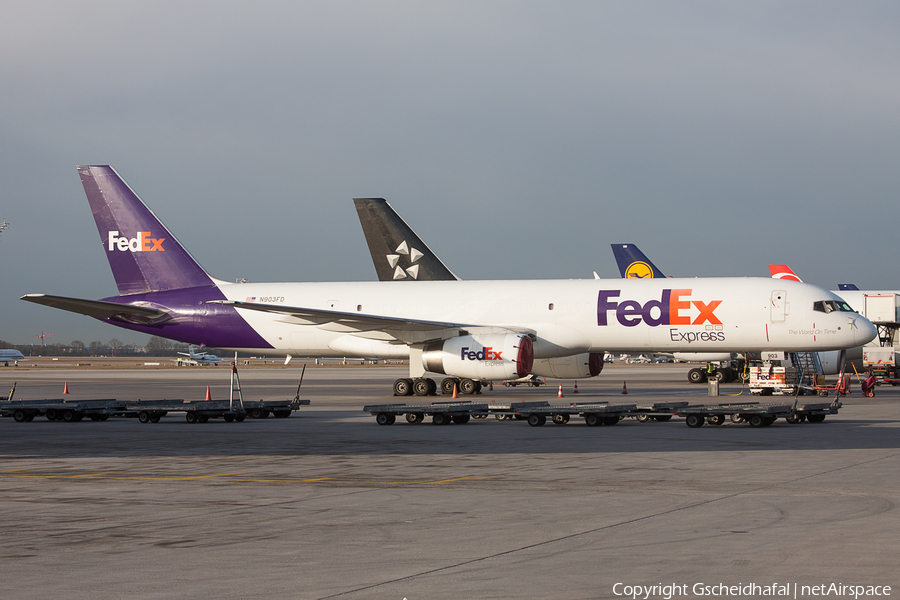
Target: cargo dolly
<point>756,414</point>
<point>442,413</point>
<point>71,411</point>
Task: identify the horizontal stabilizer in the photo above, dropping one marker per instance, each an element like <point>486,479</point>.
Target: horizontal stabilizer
<point>99,309</point>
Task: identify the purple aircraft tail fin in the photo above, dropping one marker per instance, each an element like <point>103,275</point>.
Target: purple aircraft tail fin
<point>143,255</point>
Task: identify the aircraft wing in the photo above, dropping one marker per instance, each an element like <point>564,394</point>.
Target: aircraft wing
<point>99,309</point>
<point>407,331</point>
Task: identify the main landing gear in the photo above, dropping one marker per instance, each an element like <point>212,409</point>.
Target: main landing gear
<point>423,386</point>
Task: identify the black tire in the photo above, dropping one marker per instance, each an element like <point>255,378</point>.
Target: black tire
<point>592,420</point>
<point>467,386</point>
<point>502,417</point>
<point>460,419</point>
<point>609,420</point>
<point>29,418</point>
<point>448,384</point>
<point>202,418</point>
<point>644,418</point>
<point>20,415</point>
<point>757,421</point>
<point>560,419</point>
<point>259,413</point>
<point>662,418</point>
<point>144,416</point>
<point>815,418</point>
<point>421,387</point>
<point>696,375</point>
<point>154,418</point>
<point>50,414</point>
<point>384,418</point>
<point>228,418</point>
<point>240,418</point>
<point>403,387</point>
<point>694,420</point>
<point>715,419</point>
<point>414,418</point>
<point>536,420</point>
<point>736,418</point>
<point>190,417</point>
<point>795,419</point>
<point>106,417</point>
<point>432,387</point>
<point>477,387</point>
<point>68,416</point>
<point>440,419</point>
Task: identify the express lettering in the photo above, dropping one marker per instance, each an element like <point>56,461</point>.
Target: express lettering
<point>142,243</point>
<point>696,336</point>
<point>671,309</point>
<point>485,354</point>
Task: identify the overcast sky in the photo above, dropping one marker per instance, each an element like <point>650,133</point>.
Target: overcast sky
<point>518,139</point>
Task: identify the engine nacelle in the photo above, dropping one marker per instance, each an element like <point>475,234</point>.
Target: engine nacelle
<point>490,356</point>
<point>578,366</point>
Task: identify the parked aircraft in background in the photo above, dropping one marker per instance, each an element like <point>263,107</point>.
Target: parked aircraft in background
<point>201,358</point>
<point>7,355</point>
<point>466,330</point>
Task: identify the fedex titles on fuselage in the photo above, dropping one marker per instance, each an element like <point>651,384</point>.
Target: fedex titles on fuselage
<point>673,308</point>
<point>142,243</point>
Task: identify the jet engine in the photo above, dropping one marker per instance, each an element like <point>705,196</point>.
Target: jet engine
<point>578,366</point>
<point>489,356</point>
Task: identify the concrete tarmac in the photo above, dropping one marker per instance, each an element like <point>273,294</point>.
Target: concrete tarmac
<point>327,504</point>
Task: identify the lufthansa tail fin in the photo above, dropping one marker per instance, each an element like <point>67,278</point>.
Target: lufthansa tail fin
<point>143,255</point>
<point>398,253</point>
<point>633,264</point>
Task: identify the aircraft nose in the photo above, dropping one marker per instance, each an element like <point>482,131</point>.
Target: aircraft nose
<point>864,329</point>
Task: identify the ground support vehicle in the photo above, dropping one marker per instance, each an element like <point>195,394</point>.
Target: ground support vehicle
<point>769,380</point>
<point>756,414</point>
<point>62,410</point>
<point>442,413</point>
<point>840,388</point>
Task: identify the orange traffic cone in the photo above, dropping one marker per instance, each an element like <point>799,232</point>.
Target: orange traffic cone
<point>455,395</point>
<point>208,395</point>
<point>560,394</point>
<point>66,388</point>
<point>624,388</point>
<point>575,391</point>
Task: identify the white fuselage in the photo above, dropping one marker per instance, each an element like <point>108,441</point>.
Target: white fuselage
<point>565,316</point>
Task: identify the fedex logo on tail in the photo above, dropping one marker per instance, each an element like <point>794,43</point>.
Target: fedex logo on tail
<point>673,308</point>
<point>142,243</point>
<point>486,354</point>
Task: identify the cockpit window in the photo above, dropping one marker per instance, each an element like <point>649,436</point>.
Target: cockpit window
<point>827,306</point>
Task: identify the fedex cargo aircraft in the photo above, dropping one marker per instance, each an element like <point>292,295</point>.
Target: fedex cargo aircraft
<point>470,330</point>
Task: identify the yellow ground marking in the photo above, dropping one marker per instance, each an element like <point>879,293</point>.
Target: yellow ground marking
<point>13,470</point>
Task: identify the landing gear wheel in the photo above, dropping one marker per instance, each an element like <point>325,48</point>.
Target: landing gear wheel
<point>440,419</point>
<point>403,387</point>
<point>715,419</point>
<point>385,419</point>
<point>448,384</point>
<point>468,386</point>
<point>560,419</point>
<point>414,418</point>
<point>694,420</point>
<point>696,375</point>
<point>460,419</point>
<point>421,387</point>
<point>536,420</point>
